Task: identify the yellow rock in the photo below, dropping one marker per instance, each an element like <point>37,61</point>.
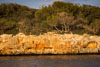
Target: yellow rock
<point>41,45</point>
<point>39,51</point>
<point>0,40</point>
<point>29,51</point>
<point>92,45</point>
<point>47,43</point>
<point>67,43</point>
<point>5,37</point>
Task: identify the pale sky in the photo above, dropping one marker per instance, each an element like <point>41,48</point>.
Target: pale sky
<point>40,3</point>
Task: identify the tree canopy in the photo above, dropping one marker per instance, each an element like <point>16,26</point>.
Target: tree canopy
<point>60,16</point>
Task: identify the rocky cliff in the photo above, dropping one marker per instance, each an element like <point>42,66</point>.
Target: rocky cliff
<point>48,43</point>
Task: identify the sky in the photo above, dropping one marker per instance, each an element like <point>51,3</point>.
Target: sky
<point>39,3</point>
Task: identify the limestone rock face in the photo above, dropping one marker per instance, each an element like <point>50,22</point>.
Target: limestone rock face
<point>92,45</point>
<point>48,43</point>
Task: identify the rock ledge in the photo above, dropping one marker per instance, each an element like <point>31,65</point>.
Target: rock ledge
<point>48,43</point>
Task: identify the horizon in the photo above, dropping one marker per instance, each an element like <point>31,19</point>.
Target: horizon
<point>39,3</point>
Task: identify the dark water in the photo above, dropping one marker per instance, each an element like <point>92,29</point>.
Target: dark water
<point>51,61</point>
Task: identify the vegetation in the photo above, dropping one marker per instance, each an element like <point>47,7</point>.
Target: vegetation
<point>62,17</point>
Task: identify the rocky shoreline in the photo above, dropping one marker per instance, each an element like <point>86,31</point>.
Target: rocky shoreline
<point>49,43</point>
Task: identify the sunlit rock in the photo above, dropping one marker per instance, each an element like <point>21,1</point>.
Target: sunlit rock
<point>92,45</point>
<point>48,43</point>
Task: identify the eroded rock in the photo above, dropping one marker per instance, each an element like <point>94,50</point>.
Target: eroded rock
<point>48,43</point>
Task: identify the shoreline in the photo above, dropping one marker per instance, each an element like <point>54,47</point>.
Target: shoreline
<point>49,44</point>
<point>53,54</point>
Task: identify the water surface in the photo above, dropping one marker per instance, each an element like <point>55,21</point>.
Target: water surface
<point>51,61</point>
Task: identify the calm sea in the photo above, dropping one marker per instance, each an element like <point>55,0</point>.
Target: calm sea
<point>50,61</point>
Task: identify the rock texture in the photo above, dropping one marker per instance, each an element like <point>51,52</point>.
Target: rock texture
<point>48,43</point>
